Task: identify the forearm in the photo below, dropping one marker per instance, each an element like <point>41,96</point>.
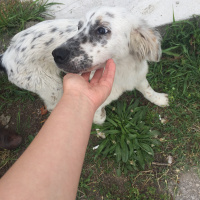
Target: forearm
<point>55,156</point>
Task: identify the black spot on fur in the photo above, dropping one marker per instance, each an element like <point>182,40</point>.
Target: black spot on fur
<point>49,42</point>
<point>25,34</point>
<point>60,33</point>
<point>104,42</point>
<point>18,48</point>
<point>81,35</point>
<point>84,39</point>
<point>80,24</point>
<point>33,46</point>
<point>29,78</point>
<point>36,37</point>
<point>92,15</point>
<point>40,35</point>
<point>110,15</point>
<point>94,44</point>
<point>23,49</point>
<point>53,30</point>
<point>69,30</point>
<point>33,39</point>
<point>11,71</point>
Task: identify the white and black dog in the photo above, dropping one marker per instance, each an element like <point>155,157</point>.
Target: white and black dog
<point>84,45</point>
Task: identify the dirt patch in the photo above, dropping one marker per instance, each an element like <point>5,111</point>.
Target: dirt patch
<point>187,185</point>
<point>25,118</point>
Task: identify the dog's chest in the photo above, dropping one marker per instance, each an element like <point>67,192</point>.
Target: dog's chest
<point>129,74</point>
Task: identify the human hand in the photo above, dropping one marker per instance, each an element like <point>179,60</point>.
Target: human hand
<point>97,90</point>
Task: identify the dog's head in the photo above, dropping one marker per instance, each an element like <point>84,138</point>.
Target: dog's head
<point>107,32</point>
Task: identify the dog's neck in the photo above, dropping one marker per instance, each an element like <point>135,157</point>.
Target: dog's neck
<point>129,62</point>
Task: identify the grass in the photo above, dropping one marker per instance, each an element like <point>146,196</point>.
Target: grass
<point>9,93</point>
<point>15,13</point>
<point>177,74</point>
<point>180,79</point>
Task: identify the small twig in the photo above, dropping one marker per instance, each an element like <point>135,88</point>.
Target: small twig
<point>141,173</point>
<point>161,164</point>
<point>83,194</point>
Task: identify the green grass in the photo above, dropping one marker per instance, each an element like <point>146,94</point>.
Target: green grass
<point>14,14</point>
<point>10,93</point>
<point>179,76</point>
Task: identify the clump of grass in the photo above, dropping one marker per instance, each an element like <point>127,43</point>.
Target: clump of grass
<point>178,75</point>
<point>127,137</point>
<point>178,72</point>
<point>15,13</point>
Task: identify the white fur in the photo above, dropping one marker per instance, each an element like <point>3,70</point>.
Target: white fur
<point>29,62</point>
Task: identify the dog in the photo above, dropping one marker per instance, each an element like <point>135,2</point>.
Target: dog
<point>84,45</point>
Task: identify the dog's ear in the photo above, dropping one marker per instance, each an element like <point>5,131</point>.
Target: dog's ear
<point>145,43</point>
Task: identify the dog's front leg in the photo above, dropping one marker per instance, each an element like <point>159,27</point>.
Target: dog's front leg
<point>51,91</point>
<point>100,115</point>
<point>160,99</point>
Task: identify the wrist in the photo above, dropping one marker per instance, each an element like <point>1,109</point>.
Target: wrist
<point>78,102</point>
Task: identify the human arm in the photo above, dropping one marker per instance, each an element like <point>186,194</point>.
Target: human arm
<point>50,167</point>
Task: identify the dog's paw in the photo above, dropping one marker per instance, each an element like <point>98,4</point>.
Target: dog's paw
<point>100,116</point>
<point>161,99</point>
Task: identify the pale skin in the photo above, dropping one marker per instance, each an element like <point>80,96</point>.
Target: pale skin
<point>50,168</point>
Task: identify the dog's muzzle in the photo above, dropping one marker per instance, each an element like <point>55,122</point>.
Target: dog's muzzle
<point>71,59</point>
<point>61,55</point>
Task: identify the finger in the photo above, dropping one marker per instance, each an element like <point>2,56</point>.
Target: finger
<point>109,72</point>
<point>97,76</point>
<point>68,75</point>
<point>107,79</point>
<point>86,76</point>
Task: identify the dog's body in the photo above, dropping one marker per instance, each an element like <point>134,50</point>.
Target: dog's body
<point>78,45</point>
<point>29,62</point>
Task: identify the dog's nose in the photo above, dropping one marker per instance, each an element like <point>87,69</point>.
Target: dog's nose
<point>61,55</point>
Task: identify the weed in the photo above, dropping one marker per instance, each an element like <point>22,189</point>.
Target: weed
<point>84,185</point>
<point>127,137</point>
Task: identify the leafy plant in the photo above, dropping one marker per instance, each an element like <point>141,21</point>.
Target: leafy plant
<point>127,137</point>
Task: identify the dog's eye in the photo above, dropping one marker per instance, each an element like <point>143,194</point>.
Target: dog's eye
<point>102,30</point>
